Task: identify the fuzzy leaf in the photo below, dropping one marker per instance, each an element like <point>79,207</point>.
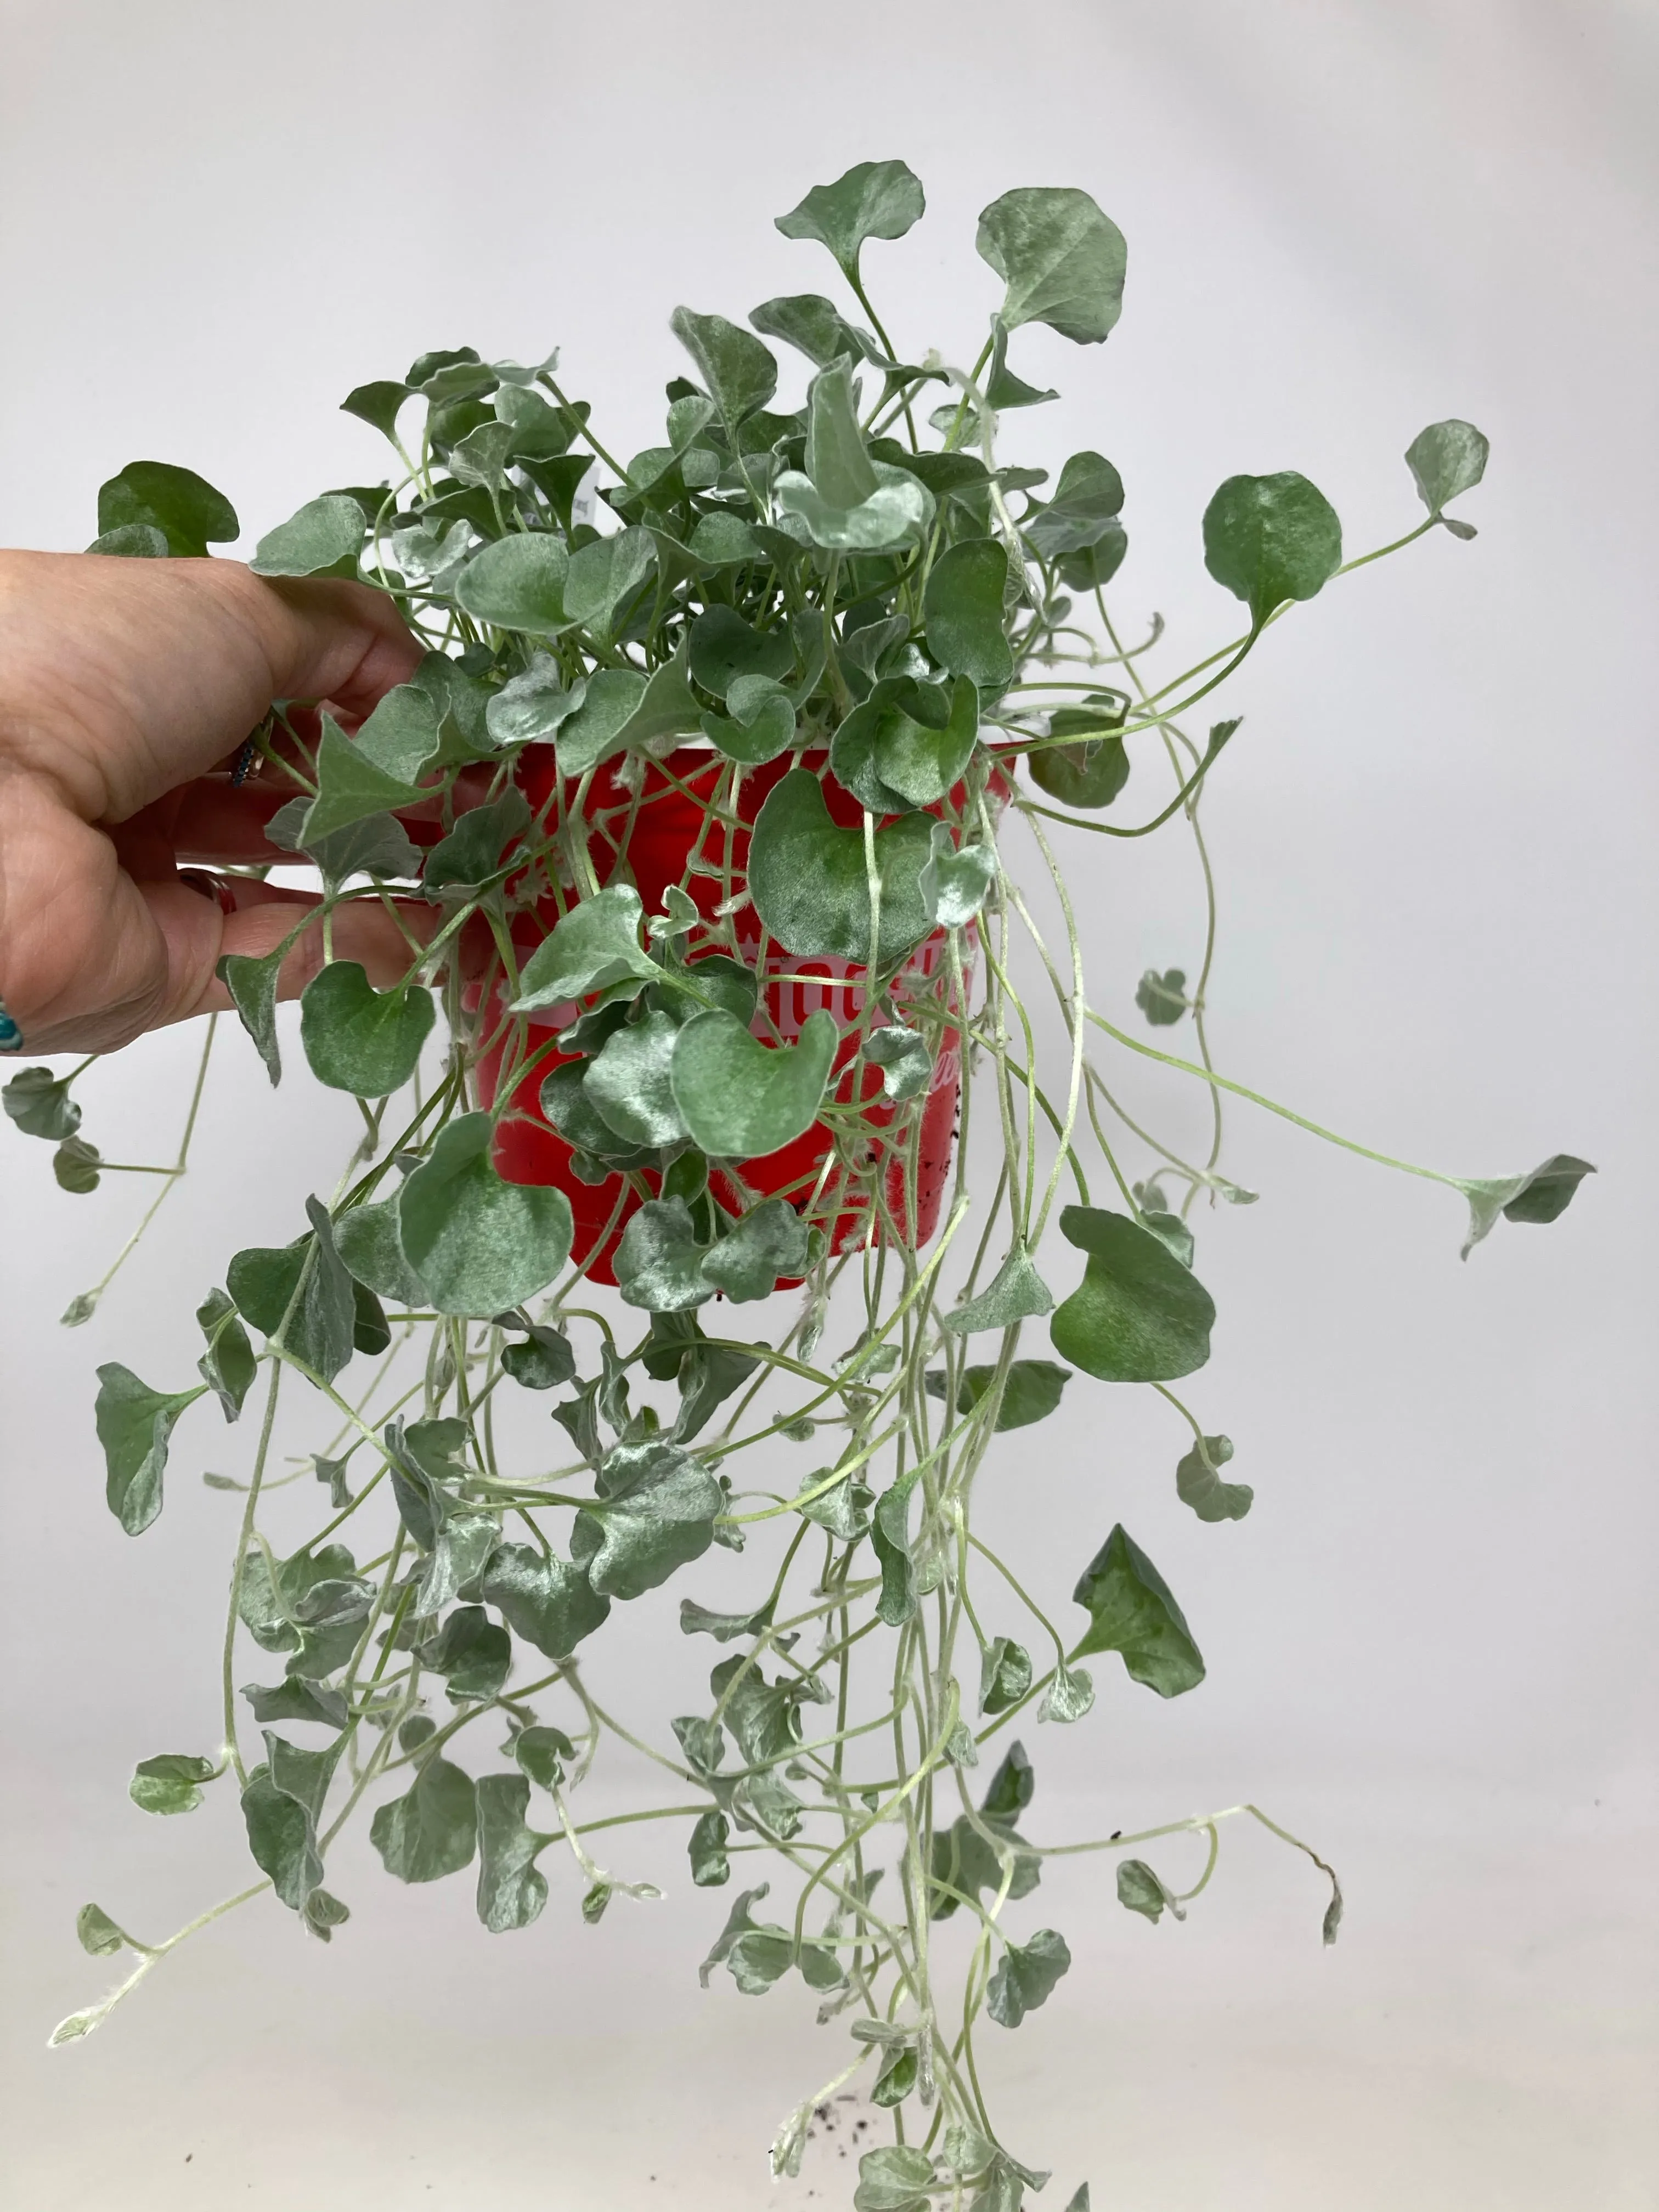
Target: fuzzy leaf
<point>479,1244</point>
<point>518,584</point>
<point>1138,1315</point>
<point>738,372</point>
<point>133,1424</point>
<point>322,540</point>
<point>808,882</point>
<point>593,947</point>
<point>359,1039</point>
<point>1199,1485</point>
<point>511,1891</point>
<point>874,200</point>
<point>1270,538</point>
<point>157,495</point>
<point>432,1831</point>
<point>1445,459</point>
<point>1133,1611</point>
<point>741,1099</point>
<point>1063,260</point>
<point>1026,1977</point>
<point>546,1601</point>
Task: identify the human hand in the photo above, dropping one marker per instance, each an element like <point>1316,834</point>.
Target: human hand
<point>127,689</point>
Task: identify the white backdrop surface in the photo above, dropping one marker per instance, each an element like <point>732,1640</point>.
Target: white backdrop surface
<point>1431,1645</point>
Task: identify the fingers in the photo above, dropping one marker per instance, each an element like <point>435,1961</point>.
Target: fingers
<point>120,679</point>
<point>385,942</point>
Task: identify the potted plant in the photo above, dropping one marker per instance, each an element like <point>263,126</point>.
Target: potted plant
<point>691,822</point>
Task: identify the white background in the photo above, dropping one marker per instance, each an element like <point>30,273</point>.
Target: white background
<point>1430,1645</point>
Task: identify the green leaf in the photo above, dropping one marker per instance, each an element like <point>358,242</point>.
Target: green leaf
<point>39,1103</point>
<point>1069,1697</point>
<point>1062,259</point>
<point>402,736</point>
<point>133,1424</point>
<point>1015,1293</point>
<point>1163,999</point>
<point>349,787</point>
<point>1085,510</point>
<point>432,1831</point>
<point>530,708</point>
<point>963,610</point>
<point>377,404</point>
<point>710,1867</point>
<point>770,1240</point>
<point>808,877</point>
<point>1445,459</point>
<point>518,584</point>
<point>759,725</point>
<point>628,1084</point>
<point>184,507</point>
<point>359,1039</point>
<point>545,1601</point>
<point>1005,1675</point>
<point>623,708</point>
<point>837,461</point>
<point>296,1700</point>
<point>323,1913</point>
<point>899,511</point>
<point>593,947</point>
<point>903,1057</point>
<point>895,2179</point>
<point>252,987</point>
<point>479,1244</point>
<point>481,457</point>
<point>368,1243</point>
<point>75,1166</point>
<point>890,757</point>
<point>322,540</point>
<point>1132,1610</point>
<point>1031,1391</point>
<point>708,1374</point>
<point>605,575</point>
<point>227,1365</point>
<point>1026,1977</point>
<point>262,1279</point>
<point>741,1099</point>
<point>542,1753</point>
<point>1199,1483</point>
<point>955,884</point>
<point>281,1835</point>
<point>98,1934</point>
<point>511,1892</point>
<point>459,864</point>
<point>1171,1231</point>
<point>1270,538</point>
<point>874,200</point>
<point>171,1782</point>
<point>542,1362</point>
<point>1542,1196</point>
<point>471,1652</point>
<point>725,1627</point>
<point>376,845</point>
<point>654,1514</point>
<point>813,324</point>
<point>723,646</point>
<point>738,372</point>
<point>1140,1890</point>
<point>1090,772</point>
<point>1002,387</point>
<point>1138,1315</point>
<point>133,541</point>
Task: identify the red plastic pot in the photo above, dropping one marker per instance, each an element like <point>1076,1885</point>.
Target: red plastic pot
<point>658,835</point>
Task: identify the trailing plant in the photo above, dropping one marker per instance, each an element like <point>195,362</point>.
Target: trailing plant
<point>692,824</point>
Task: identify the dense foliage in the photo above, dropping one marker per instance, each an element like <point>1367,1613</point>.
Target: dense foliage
<point>817,640</point>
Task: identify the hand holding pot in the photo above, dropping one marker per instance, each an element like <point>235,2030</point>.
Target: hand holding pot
<point>127,690</point>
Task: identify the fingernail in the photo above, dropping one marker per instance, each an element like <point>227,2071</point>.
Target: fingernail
<point>11,1037</point>
<point>207,885</point>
